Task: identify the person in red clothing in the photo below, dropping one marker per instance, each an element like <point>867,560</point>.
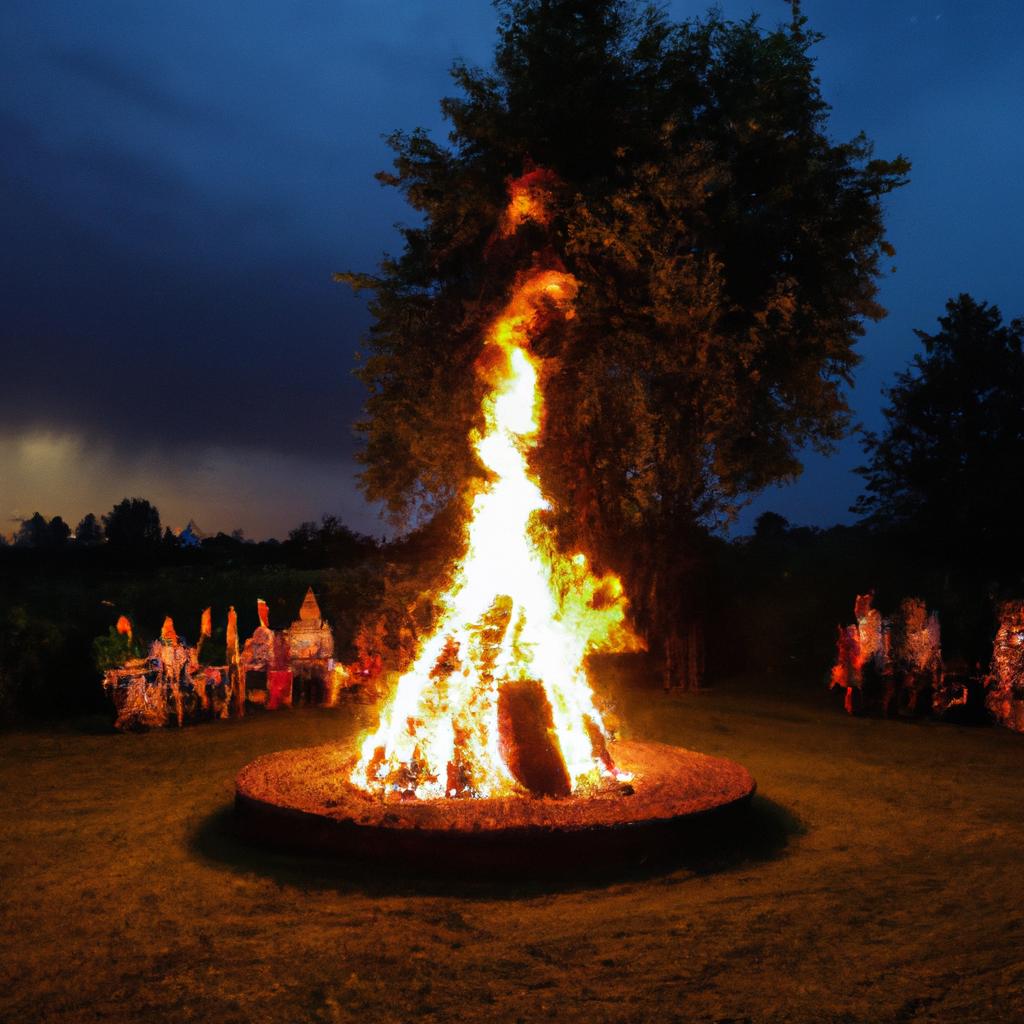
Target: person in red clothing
<point>279,675</point>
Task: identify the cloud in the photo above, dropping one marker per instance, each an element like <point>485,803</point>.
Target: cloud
<point>176,187</point>
<point>262,491</point>
<point>119,326</point>
<point>132,83</point>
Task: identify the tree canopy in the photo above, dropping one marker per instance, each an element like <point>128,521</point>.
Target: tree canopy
<point>727,252</point>
<point>132,523</point>
<point>89,531</point>
<point>36,532</point>
<point>945,472</point>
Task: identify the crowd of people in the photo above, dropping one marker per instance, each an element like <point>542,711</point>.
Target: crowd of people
<point>894,665</point>
<point>170,683</point>
<point>176,684</point>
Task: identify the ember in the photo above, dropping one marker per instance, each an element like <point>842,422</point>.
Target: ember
<point>503,674</point>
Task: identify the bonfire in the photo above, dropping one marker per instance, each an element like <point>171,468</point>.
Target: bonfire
<point>498,701</point>
<point>493,744</point>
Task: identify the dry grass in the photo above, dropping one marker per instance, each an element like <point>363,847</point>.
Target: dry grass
<point>898,897</point>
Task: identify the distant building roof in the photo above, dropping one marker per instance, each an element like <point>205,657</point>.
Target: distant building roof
<point>310,610</point>
<point>191,536</point>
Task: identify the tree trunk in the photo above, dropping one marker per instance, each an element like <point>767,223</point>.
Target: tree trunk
<point>684,656</point>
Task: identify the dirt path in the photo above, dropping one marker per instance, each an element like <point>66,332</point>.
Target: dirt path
<point>885,883</point>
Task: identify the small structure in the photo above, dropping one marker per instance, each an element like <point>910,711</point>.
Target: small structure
<point>191,536</point>
<point>955,691</point>
<point>310,653</point>
<point>169,684</point>
<point>172,660</point>
<point>258,656</point>
<point>173,684</point>
<point>147,692</point>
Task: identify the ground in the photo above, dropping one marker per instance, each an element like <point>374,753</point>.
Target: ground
<point>878,879</point>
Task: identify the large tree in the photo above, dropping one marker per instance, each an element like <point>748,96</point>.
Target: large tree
<point>36,532</point>
<point>133,523</point>
<point>945,474</point>
<point>89,531</point>
<point>727,252</point>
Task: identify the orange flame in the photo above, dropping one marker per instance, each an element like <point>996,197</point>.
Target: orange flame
<point>231,636</point>
<point>206,623</point>
<point>167,632</point>
<point>124,626</point>
<point>529,198</point>
<point>517,609</point>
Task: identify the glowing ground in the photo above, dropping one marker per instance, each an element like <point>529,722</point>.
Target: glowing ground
<point>883,885</point>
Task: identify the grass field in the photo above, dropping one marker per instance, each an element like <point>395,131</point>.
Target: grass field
<point>882,880</point>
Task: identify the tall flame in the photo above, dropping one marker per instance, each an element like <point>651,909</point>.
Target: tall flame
<point>517,609</point>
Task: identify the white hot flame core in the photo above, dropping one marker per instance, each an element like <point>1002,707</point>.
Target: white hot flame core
<point>516,610</point>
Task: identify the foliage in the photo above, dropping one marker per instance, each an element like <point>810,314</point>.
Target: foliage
<point>945,473</point>
<point>329,543</point>
<point>113,649</point>
<point>31,647</point>
<point>89,531</point>
<point>402,609</point>
<point>36,532</point>
<point>727,253</point>
<point>133,523</point>
<point>214,649</point>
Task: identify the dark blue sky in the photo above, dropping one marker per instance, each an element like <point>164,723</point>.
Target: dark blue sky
<point>180,180</point>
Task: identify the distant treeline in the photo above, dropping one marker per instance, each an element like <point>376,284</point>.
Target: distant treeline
<point>132,531</point>
<point>774,600</point>
<point>771,601</point>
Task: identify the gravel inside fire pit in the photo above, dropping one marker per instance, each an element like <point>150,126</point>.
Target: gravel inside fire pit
<point>668,782</point>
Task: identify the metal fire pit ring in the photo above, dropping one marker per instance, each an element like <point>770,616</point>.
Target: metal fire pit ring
<point>302,801</point>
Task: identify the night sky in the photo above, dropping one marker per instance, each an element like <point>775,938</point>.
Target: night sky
<point>180,180</point>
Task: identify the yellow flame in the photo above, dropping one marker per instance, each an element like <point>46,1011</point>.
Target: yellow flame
<point>517,609</point>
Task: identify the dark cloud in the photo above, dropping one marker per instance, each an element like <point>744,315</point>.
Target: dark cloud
<point>177,184</point>
<point>130,318</point>
<point>130,82</point>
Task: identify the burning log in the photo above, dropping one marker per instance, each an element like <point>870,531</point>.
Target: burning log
<point>140,702</point>
<point>528,741</point>
<point>173,659</point>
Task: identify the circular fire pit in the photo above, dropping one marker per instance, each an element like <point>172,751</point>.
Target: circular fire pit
<point>301,800</point>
